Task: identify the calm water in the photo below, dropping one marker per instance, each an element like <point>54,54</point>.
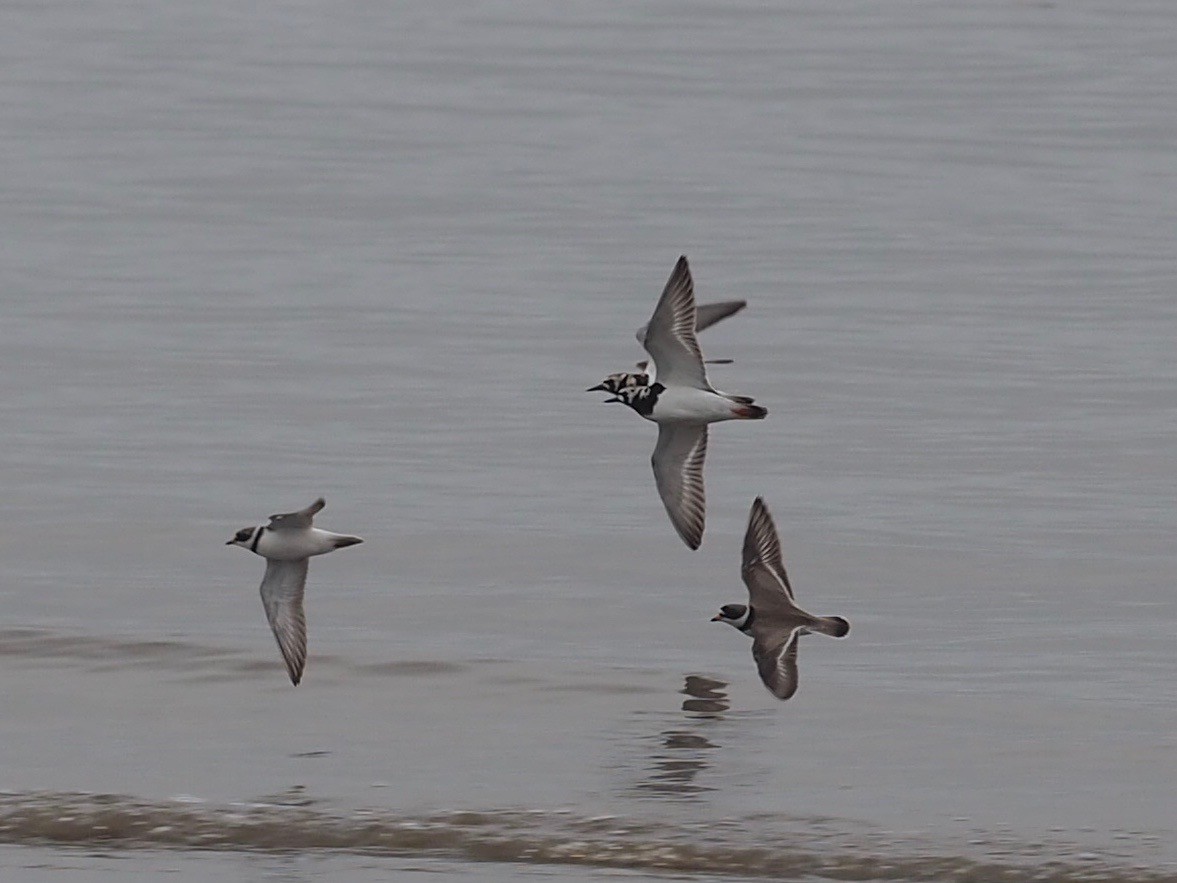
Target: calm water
<point>256,255</point>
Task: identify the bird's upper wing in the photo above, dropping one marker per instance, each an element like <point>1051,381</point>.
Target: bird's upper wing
<point>776,660</point>
<point>678,472</point>
<point>282,591</point>
<point>766,590</point>
<point>707,315</point>
<point>762,551</point>
<point>670,336</point>
<point>299,520</point>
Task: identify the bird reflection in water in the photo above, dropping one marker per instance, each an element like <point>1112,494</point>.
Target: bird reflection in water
<point>682,751</point>
<point>705,696</point>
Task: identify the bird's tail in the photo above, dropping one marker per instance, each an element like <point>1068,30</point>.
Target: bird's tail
<point>834,626</point>
<point>746,410</point>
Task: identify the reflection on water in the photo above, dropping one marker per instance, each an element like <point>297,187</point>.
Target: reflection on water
<point>683,751</point>
<point>705,695</point>
<point>682,756</point>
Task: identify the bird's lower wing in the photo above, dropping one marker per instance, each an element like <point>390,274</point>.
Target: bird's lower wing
<point>777,664</point>
<point>282,591</point>
<point>678,472</point>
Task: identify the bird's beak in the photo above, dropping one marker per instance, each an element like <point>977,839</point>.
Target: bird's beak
<point>599,387</point>
<point>610,401</point>
<point>231,542</point>
<point>717,618</point>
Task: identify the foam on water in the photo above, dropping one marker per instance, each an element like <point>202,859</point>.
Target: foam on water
<point>768,846</point>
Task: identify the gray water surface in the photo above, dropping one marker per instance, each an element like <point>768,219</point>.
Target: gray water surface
<point>256,255</point>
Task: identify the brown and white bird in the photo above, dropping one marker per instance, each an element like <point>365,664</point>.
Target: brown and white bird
<point>771,617</point>
<point>286,543</point>
<point>682,402</point>
<point>706,315</point>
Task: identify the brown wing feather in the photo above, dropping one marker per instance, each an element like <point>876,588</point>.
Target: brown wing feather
<point>707,315</point>
<point>777,664</point>
<point>763,546</point>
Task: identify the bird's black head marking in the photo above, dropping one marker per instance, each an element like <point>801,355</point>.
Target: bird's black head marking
<point>642,398</point>
<point>614,383</point>
<point>737,615</point>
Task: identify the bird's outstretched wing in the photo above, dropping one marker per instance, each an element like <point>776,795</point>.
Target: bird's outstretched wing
<point>670,336</point>
<point>776,660</point>
<point>297,520</point>
<point>707,315</point>
<point>762,566</point>
<point>282,592</point>
<point>678,472</point>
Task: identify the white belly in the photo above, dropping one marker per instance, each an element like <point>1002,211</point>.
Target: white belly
<point>682,404</point>
<point>292,545</point>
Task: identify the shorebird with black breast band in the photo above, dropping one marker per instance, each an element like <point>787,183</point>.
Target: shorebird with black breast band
<point>286,543</point>
<point>771,618</point>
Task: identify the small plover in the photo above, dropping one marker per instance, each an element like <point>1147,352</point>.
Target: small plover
<point>706,315</point>
<point>682,402</point>
<point>286,543</point>
<point>771,617</point>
